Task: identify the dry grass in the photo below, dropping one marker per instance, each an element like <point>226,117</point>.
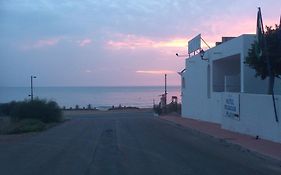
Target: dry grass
<point>21,126</point>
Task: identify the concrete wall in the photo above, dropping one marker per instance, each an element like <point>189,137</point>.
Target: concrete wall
<point>195,97</point>
<point>215,108</point>
<point>255,85</point>
<point>256,117</point>
<point>199,101</point>
<point>277,86</point>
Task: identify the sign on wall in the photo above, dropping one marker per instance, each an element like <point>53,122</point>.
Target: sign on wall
<point>231,108</point>
<point>194,44</point>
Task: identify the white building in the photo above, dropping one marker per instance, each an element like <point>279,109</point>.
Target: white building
<point>222,89</point>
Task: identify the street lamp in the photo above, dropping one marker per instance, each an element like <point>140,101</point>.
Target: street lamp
<point>202,53</point>
<point>31,86</point>
<point>178,55</point>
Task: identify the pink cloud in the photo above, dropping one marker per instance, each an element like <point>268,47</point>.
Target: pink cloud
<point>41,43</point>
<point>84,42</point>
<point>214,29</point>
<point>136,42</point>
<point>155,72</point>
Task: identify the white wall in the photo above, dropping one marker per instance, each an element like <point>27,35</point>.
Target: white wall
<point>195,101</point>
<point>256,117</point>
<point>215,106</point>
<point>255,85</point>
<point>256,111</point>
<point>277,86</point>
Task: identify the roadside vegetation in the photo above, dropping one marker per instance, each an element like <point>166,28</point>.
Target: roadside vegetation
<point>170,108</point>
<point>28,116</point>
<point>120,107</point>
<point>264,56</point>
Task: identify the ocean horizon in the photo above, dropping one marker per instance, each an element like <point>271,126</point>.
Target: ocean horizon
<point>101,97</point>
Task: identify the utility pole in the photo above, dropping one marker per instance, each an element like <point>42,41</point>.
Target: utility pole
<point>31,86</point>
<point>165,96</point>
<point>165,90</point>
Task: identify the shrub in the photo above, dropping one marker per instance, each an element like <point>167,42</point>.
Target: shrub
<point>43,110</point>
<point>89,107</point>
<point>170,108</point>
<point>6,108</point>
<point>157,109</point>
<point>26,125</point>
<point>77,107</point>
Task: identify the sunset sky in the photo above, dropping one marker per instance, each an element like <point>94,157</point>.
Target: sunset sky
<point>114,43</point>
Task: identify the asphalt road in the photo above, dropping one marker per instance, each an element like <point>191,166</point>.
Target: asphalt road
<point>127,143</point>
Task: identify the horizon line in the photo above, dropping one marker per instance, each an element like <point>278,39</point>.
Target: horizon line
<point>84,86</point>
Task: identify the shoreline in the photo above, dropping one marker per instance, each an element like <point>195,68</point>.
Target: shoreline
<point>89,111</point>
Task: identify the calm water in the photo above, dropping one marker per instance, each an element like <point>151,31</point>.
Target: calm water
<point>100,97</point>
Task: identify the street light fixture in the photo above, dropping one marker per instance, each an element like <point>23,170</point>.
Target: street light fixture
<point>31,86</point>
<point>178,55</point>
<point>202,53</point>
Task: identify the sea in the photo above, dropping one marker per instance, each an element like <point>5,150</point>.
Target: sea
<point>99,97</point>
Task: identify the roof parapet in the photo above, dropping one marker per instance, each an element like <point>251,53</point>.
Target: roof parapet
<point>225,39</point>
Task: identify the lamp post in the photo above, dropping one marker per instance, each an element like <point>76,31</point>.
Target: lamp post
<point>31,86</point>
<point>165,95</point>
<point>165,89</point>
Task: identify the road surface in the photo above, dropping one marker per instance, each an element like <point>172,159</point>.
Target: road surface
<point>123,143</point>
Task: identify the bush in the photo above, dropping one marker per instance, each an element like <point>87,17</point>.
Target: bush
<point>43,110</point>
<point>6,108</point>
<point>157,109</point>
<point>26,125</point>
<point>170,108</point>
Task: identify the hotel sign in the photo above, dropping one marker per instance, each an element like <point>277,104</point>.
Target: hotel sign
<point>194,44</point>
<point>231,105</point>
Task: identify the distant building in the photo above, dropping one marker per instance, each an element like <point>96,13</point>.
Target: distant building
<point>220,88</point>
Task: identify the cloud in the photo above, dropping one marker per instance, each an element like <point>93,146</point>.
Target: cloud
<point>88,71</point>
<point>84,42</point>
<point>41,43</point>
<point>128,41</point>
<point>225,26</point>
<point>178,42</point>
<point>155,72</point>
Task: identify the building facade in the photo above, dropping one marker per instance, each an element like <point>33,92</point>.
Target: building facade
<point>219,87</point>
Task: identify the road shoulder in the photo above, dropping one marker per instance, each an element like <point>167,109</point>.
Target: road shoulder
<point>260,146</point>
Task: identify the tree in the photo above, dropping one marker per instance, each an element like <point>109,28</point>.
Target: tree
<point>269,62</point>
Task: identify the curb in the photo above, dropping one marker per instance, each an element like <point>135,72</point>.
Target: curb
<point>256,151</point>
